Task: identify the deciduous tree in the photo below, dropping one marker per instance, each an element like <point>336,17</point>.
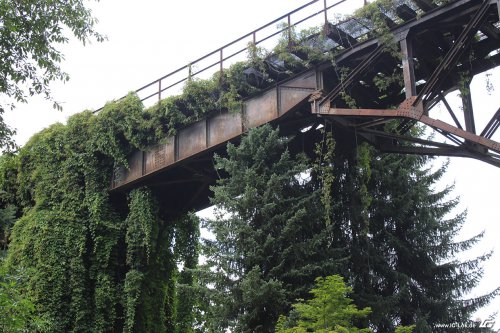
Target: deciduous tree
<point>31,32</point>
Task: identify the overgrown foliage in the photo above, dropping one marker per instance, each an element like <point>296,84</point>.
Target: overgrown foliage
<point>102,263</point>
<point>17,313</point>
<point>97,265</point>
<point>388,232</point>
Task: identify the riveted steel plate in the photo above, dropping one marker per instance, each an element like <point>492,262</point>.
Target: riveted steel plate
<point>224,127</point>
<point>192,139</point>
<point>160,156</point>
<point>260,109</point>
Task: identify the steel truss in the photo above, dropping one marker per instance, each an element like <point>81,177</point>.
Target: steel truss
<point>471,39</point>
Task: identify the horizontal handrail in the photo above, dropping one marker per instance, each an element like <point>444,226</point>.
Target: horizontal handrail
<point>220,50</point>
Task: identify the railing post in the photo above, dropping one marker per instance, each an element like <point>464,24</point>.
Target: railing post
<point>498,8</point>
<point>221,61</point>
<point>159,90</point>
<point>289,30</point>
<point>324,8</point>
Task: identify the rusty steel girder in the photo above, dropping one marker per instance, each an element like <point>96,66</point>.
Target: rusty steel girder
<point>209,133</point>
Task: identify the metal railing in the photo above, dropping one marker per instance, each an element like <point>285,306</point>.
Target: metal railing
<point>161,88</point>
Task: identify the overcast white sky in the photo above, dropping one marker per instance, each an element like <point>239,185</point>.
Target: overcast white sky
<point>150,38</point>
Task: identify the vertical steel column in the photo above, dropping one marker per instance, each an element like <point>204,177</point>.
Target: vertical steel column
<point>470,125</point>
<point>408,67</point>
<point>221,62</point>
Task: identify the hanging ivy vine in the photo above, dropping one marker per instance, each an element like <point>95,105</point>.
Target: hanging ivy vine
<point>94,266</point>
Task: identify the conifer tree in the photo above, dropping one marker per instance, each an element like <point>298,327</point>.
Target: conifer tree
<point>415,275</point>
<point>400,233</point>
<point>329,310</point>
<point>271,240</point>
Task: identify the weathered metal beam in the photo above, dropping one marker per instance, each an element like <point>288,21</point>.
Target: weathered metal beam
<point>204,137</point>
<point>210,132</point>
<point>492,125</point>
<point>408,67</point>
<point>407,109</point>
<point>450,110</point>
<point>435,123</point>
<point>405,138</point>
<point>353,75</point>
<point>451,152</point>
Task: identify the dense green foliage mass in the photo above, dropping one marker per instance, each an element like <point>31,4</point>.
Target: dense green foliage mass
<point>17,312</point>
<point>96,263</point>
<point>402,241</point>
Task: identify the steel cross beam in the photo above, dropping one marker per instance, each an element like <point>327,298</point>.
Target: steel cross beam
<point>409,111</point>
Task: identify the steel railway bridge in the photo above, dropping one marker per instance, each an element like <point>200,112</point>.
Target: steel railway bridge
<point>437,43</point>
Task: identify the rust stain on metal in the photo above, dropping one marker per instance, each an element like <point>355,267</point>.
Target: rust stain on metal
<point>306,80</point>
<point>493,145</point>
<point>260,110</point>
<point>290,97</point>
<point>224,127</point>
<point>192,139</point>
<point>132,173</point>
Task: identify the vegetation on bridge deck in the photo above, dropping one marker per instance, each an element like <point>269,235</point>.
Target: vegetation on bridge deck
<point>97,263</point>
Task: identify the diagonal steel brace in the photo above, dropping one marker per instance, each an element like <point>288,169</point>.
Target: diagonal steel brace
<point>453,55</point>
<point>349,80</point>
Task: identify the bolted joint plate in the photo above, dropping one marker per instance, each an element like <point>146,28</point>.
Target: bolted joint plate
<point>408,110</point>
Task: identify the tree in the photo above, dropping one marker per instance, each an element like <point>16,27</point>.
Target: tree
<point>271,240</point>
<point>97,262</point>
<point>30,33</point>
<point>329,311</point>
<point>415,277</point>
<point>401,237</point>
<point>397,230</point>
